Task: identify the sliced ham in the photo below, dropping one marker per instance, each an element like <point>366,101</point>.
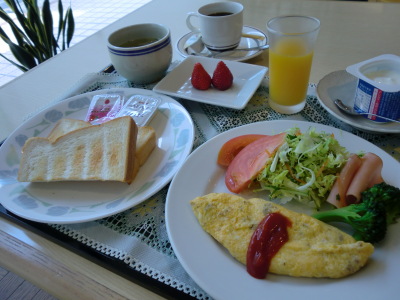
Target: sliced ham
<point>337,196</point>
<point>250,161</point>
<point>369,174</point>
<point>356,176</point>
<point>334,197</point>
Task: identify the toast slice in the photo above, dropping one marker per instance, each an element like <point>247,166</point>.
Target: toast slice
<point>104,152</point>
<point>65,126</point>
<point>145,142</point>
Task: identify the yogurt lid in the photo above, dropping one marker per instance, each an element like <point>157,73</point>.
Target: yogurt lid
<point>383,72</point>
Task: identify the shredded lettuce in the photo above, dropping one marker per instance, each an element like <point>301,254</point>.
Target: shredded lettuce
<point>304,168</point>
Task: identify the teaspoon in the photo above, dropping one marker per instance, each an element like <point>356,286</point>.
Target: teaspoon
<point>349,110</point>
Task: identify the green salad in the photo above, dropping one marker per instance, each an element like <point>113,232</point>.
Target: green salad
<point>304,168</point>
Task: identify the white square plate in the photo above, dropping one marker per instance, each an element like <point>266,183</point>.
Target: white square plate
<point>246,80</point>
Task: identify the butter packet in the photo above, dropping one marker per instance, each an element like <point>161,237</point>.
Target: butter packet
<point>141,108</point>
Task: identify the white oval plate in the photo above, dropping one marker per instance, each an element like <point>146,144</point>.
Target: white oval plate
<point>222,277</point>
<point>342,85</point>
<point>245,42</point>
<point>72,202</point>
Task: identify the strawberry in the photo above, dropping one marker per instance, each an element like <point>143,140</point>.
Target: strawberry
<point>201,80</point>
<point>222,78</point>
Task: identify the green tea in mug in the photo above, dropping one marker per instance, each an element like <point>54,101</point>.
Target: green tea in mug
<point>138,42</point>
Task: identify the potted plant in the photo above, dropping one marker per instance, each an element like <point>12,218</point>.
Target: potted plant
<point>34,40</point>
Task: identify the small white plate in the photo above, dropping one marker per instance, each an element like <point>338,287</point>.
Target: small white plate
<point>245,42</point>
<point>246,80</point>
<point>73,202</point>
<point>223,277</point>
<point>342,85</point>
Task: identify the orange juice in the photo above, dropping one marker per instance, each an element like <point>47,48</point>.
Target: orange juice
<point>289,71</point>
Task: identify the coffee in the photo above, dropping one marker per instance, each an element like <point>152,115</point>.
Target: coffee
<point>220,14</point>
<point>138,42</point>
<point>213,18</point>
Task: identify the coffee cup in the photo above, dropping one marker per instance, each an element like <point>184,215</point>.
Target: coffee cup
<point>141,53</point>
<point>220,25</point>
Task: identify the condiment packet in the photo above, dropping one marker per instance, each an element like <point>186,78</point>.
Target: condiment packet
<point>103,108</point>
<point>140,107</point>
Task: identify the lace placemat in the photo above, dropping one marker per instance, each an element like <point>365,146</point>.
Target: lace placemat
<point>137,237</point>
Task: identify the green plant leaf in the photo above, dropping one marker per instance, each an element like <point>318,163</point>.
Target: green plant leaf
<point>22,68</point>
<point>70,25</point>
<point>63,33</point>
<point>23,56</point>
<point>60,19</point>
<point>4,35</point>
<point>47,20</point>
<point>34,32</point>
<point>35,51</point>
<point>40,30</point>
<point>17,32</point>
<point>11,23</point>
<point>19,13</point>
<point>12,4</point>
<point>30,25</point>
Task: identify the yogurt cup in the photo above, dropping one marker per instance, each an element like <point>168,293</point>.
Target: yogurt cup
<point>378,87</point>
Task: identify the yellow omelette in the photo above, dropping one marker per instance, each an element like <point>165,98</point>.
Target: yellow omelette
<point>314,248</point>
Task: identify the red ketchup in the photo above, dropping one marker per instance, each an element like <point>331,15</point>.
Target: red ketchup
<point>270,235</point>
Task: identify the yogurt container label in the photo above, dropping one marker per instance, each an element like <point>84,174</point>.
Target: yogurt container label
<point>373,100</point>
<point>378,87</point>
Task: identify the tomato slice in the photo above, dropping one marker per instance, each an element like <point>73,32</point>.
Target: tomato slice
<point>250,161</point>
<point>232,147</point>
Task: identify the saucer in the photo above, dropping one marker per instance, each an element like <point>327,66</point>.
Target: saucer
<point>245,42</point>
<point>342,85</point>
<point>246,80</point>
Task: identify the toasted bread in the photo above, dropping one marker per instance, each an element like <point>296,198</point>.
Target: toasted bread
<point>65,126</point>
<point>145,142</point>
<point>104,152</point>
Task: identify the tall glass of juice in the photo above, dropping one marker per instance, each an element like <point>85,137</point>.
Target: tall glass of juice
<point>292,40</point>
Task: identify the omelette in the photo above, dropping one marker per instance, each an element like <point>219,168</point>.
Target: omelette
<point>313,249</point>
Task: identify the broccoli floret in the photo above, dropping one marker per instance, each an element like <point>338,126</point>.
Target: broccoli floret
<point>379,207</point>
<point>389,196</point>
<point>368,219</point>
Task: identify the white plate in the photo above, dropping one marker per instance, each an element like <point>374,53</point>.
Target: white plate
<point>71,202</point>
<point>246,80</point>
<point>342,85</point>
<point>245,42</point>
<point>222,277</point>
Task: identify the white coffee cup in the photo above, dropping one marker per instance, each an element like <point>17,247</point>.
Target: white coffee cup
<point>220,24</point>
<point>141,53</point>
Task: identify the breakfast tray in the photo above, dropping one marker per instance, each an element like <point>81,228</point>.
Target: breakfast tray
<point>134,243</point>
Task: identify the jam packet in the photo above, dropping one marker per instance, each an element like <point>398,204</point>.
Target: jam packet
<point>104,108</point>
<point>140,107</point>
